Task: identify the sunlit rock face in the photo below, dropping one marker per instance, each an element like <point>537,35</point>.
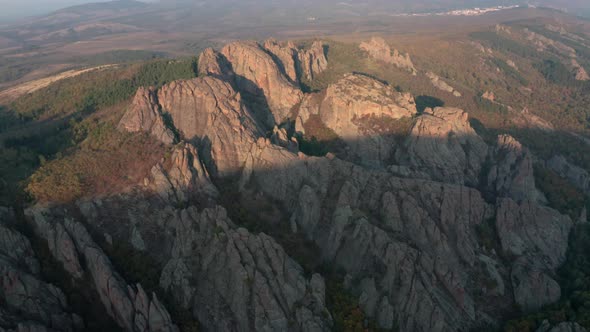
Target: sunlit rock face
<point>358,109</point>
<point>259,76</point>
<point>378,49</point>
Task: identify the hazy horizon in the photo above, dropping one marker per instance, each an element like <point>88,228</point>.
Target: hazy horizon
<point>13,11</point>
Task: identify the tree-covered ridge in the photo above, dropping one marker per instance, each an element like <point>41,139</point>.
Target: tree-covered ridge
<point>44,128</point>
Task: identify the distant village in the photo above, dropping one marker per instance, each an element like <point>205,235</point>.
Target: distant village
<point>462,12</point>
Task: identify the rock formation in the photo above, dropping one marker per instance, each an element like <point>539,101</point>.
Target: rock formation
<point>348,106</point>
<point>212,63</point>
<point>442,85</point>
<point>313,61</point>
<point>489,95</point>
<point>296,63</point>
<point>523,230</point>
<point>443,144</point>
<point>286,56</point>
<point>511,174</point>
<point>146,115</point>
<point>130,307</point>
<point>258,75</point>
<point>404,221</point>
<point>378,49</point>
<point>580,73</point>
<point>526,119</point>
<point>28,303</point>
<point>418,232</point>
<point>210,113</point>
<point>183,177</point>
<point>230,279</point>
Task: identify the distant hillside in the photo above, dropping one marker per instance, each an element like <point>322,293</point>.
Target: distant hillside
<point>111,5</point>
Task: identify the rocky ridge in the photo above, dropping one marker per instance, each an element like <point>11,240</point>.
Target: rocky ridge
<point>445,149</point>
<point>71,244</point>
<point>28,302</point>
<point>404,231</point>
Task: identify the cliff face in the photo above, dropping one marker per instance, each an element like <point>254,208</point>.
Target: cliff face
<point>258,76</point>
<point>401,220</point>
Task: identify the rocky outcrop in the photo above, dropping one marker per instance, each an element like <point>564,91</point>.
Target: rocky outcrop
<point>511,173</point>
<point>524,230</point>
<point>28,302</point>
<point>443,144</point>
<point>378,49</point>
<point>577,176</point>
<point>210,113</point>
<point>407,246</point>
<point>526,119</point>
<point>236,281</point>
<point>212,63</point>
<point>258,76</point>
<point>489,95</point>
<point>295,63</point>
<point>129,306</point>
<point>442,85</point>
<point>348,106</point>
<point>313,61</point>
<point>144,114</point>
<point>580,73</point>
<point>280,137</point>
<point>227,277</point>
<point>286,55</point>
<point>182,177</point>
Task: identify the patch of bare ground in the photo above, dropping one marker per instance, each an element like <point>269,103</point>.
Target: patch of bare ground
<point>32,86</point>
